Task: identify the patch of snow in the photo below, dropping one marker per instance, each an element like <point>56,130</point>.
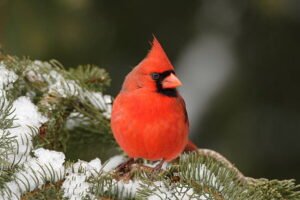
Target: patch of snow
<point>59,85</point>
<point>95,164</point>
<point>75,119</point>
<point>126,189</point>
<point>129,189</point>
<point>113,162</point>
<point>43,72</point>
<point>100,101</point>
<point>25,115</point>
<point>161,191</point>
<point>65,88</point>
<point>88,168</point>
<point>45,166</point>
<point>7,77</point>
<point>33,76</point>
<point>75,186</point>
<point>45,156</point>
<point>53,77</point>
<point>204,174</point>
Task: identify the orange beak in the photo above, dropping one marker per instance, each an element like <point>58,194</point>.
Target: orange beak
<point>171,81</point>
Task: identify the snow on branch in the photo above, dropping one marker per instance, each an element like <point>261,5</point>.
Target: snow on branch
<point>45,166</point>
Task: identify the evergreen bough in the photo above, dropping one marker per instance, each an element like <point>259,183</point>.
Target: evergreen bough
<point>71,102</point>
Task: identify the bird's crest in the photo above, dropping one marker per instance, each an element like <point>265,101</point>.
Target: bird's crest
<point>156,60</point>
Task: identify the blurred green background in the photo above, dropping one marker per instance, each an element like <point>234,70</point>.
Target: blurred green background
<point>239,62</point>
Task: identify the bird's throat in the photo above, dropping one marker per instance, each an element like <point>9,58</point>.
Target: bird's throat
<point>170,92</point>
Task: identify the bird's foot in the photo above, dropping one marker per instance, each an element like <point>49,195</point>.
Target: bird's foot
<point>159,166</point>
<point>125,166</point>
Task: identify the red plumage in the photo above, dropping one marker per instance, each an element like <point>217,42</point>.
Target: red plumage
<point>149,118</point>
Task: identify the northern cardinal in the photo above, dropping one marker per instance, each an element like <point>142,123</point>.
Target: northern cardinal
<point>149,118</point>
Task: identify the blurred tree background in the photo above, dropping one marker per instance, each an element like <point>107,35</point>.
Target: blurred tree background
<point>239,61</point>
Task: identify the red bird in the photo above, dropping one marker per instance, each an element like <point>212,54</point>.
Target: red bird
<point>149,118</point>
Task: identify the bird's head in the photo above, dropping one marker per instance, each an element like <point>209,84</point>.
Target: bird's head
<point>154,73</point>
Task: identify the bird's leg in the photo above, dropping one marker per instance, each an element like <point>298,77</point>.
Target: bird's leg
<point>125,165</point>
<point>159,165</point>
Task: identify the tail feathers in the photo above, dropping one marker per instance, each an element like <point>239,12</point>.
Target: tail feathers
<point>190,147</point>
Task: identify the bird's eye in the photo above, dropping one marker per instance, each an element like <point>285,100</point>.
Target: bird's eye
<point>155,76</point>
